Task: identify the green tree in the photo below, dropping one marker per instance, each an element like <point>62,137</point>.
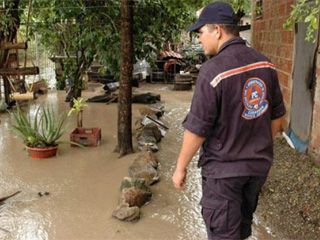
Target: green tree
<point>308,12</point>
<point>73,29</point>
<point>241,7</point>
<point>9,24</point>
<point>83,30</point>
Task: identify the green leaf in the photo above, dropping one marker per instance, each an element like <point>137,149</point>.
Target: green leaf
<point>45,130</point>
<point>307,12</point>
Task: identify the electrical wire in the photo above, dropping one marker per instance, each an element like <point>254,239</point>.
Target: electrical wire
<point>58,8</point>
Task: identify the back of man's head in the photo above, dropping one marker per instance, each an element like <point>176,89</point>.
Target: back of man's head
<point>218,13</point>
<point>229,29</point>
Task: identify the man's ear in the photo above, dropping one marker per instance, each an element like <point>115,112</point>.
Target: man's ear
<point>218,32</point>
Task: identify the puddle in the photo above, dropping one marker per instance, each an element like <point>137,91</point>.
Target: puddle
<point>84,184</point>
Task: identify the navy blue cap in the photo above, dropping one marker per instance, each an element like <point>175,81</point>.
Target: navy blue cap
<point>217,12</point>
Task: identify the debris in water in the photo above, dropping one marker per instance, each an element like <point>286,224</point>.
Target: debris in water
<point>41,194</point>
<point>6,198</point>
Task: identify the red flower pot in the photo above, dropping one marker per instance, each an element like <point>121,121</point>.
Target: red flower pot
<point>42,152</point>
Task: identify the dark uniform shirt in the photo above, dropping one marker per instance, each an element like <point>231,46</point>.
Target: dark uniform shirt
<point>237,94</point>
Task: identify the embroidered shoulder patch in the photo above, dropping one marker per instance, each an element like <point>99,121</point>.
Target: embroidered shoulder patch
<point>254,98</point>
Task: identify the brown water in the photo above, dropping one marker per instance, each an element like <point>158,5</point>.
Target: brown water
<point>84,184</point>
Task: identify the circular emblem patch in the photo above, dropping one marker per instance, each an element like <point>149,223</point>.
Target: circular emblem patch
<point>254,98</point>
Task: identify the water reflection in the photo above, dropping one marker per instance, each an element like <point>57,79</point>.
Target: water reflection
<point>185,209</point>
<point>20,222</point>
<point>83,190</point>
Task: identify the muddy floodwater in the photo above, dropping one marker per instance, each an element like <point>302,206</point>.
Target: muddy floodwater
<point>83,184</point>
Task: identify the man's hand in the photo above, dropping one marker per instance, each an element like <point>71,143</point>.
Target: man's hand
<point>179,178</point>
<point>190,145</point>
<point>277,125</point>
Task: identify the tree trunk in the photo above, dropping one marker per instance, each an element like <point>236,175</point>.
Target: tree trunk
<point>9,39</point>
<point>83,64</point>
<point>59,68</point>
<point>125,91</point>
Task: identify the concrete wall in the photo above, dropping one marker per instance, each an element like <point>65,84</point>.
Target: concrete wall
<point>315,139</point>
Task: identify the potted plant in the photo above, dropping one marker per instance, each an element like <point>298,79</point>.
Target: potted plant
<point>84,136</point>
<point>40,133</point>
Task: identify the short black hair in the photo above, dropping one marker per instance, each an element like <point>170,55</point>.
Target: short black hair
<point>229,28</point>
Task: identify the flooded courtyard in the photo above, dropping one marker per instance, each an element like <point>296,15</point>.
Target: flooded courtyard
<point>83,184</point>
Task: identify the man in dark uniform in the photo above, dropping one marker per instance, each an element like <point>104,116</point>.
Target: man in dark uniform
<point>236,110</point>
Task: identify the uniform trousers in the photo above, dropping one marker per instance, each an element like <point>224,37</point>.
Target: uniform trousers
<point>228,205</point>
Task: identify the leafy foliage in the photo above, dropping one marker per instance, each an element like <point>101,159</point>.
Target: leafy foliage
<point>241,5</point>
<point>84,30</point>
<point>74,29</point>
<point>308,12</point>
<point>238,5</point>
<point>43,130</point>
<point>91,28</point>
<point>158,22</point>
<point>77,108</point>
<point>7,22</point>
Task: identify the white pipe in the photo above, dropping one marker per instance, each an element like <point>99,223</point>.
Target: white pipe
<point>286,137</point>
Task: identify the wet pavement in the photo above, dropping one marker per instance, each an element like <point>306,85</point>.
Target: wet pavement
<point>83,184</point>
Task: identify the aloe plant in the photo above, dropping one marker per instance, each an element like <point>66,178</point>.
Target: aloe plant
<point>43,130</point>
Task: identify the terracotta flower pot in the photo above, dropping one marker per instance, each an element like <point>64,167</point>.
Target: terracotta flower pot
<point>42,152</point>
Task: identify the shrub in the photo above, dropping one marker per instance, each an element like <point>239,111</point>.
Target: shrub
<point>42,130</point>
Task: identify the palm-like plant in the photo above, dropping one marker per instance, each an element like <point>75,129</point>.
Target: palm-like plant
<point>78,106</point>
<point>41,131</point>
